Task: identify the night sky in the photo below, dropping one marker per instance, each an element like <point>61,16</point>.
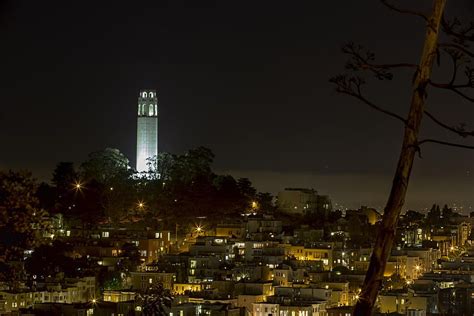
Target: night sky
<point>248,79</point>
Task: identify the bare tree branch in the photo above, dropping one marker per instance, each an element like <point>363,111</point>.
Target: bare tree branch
<point>457,130</point>
<point>404,11</point>
<point>469,83</point>
<point>453,88</point>
<point>435,141</point>
<point>458,47</point>
<point>363,59</point>
<point>465,96</point>
<point>459,32</point>
<point>352,86</point>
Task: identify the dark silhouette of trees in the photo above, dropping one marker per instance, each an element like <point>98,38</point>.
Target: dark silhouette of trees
<point>110,170</point>
<point>21,221</point>
<point>51,260</point>
<point>413,217</point>
<point>106,189</point>
<point>456,47</point>
<point>187,182</point>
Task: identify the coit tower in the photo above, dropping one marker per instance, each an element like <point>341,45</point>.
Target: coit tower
<point>147,128</point>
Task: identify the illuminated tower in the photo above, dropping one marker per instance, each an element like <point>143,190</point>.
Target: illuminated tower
<point>147,128</point>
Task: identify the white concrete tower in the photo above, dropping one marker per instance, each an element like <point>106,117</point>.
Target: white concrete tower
<point>147,128</point>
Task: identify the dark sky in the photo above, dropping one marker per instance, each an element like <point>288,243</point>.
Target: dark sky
<point>248,79</point>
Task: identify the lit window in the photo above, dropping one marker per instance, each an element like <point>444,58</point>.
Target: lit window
<point>105,234</point>
<point>144,94</point>
<point>150,280</point>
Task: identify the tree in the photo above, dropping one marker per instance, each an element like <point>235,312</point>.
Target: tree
<point>46,196</point>
<point>265,202</point>
<point>64,178</point>
<point>413,216</point>
<point>434,215</point>
<point>194,163</point>
<point>130,258</point>
<point>21,221</point>
<point>161,166</point>
<point>155,301</point>
<point>361,60</point>
<point>50,260</point>
<point>110,170</point>
<point>105,165</point>
<point>447,213</point>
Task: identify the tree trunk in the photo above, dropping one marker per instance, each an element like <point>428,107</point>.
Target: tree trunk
<point>386,234</point>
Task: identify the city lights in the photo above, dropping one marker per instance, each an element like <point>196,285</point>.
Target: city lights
<point>194,160</point>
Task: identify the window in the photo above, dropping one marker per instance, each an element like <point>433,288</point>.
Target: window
<point>105,234</point>
<point>151,94</point>
<point>144,94</point>
<point>150,280</point>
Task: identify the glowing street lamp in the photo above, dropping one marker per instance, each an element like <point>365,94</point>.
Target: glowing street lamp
<point>78,186</point>
<point>198,229</point>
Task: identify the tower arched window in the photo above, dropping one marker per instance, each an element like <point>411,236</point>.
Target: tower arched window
<point>144,94</point>
<point>150,110</point>
<point>151,94</point>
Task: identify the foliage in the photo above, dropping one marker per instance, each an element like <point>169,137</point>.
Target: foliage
<point>51,260</point>
<point>106,189</point>
<point>156,301</point>
<point>64,176</point>
<point>111,175</point>
<point>131,258</point>
<point>110,280</point>
<point>106,165</point>
<point>20,218</point>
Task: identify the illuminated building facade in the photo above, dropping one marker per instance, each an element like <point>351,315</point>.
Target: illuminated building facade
<point>147,128</point>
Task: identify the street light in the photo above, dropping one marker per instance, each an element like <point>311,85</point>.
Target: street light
<point>78,186</point>
<point>198,229</point>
